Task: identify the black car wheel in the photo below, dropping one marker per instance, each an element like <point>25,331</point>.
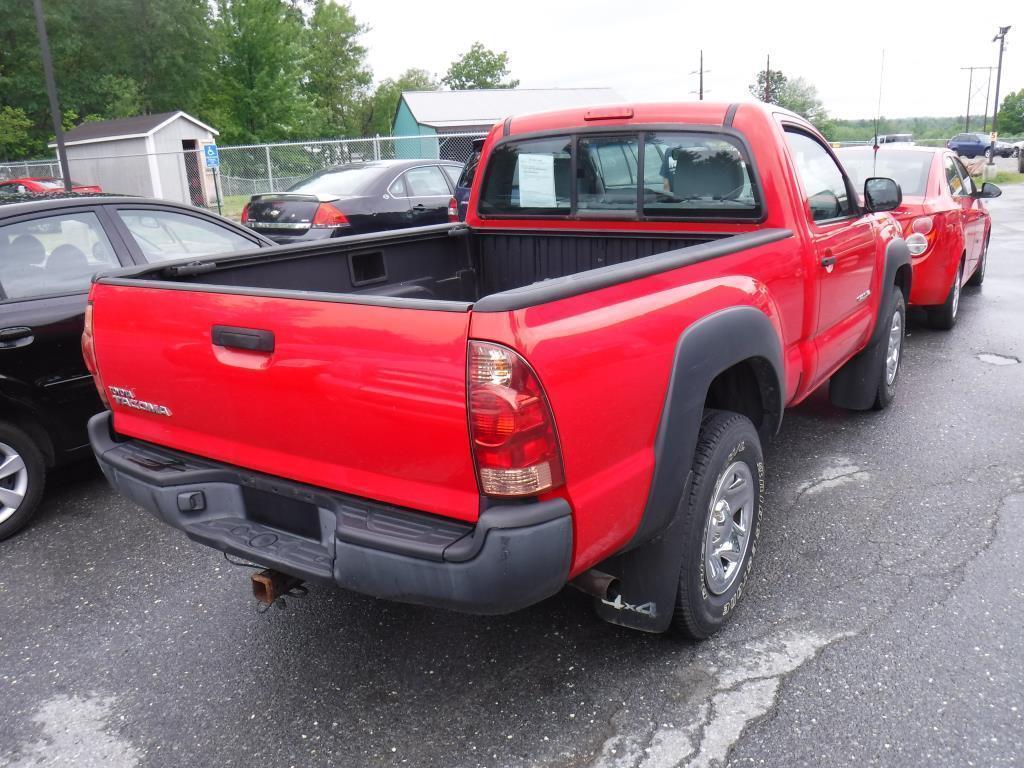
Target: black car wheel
<point>22,476</point>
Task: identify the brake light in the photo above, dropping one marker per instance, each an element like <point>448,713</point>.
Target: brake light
<point>513,432</point>
<point>453,210</point>
<point>89,355</point>
<point>327,216</point>
<point>920,234</point>
<point>245,213</point>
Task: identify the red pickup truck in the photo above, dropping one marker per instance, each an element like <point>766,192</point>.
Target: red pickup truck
<point>574,386</point>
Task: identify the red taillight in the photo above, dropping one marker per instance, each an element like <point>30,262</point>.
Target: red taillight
<point>89,355</point>
<point>919,235</point>
<point>245,213</point>
<point>513,431</point>
<point>453,210</point>
<point>328,216</point>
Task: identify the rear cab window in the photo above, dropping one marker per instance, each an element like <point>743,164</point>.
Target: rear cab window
<point>640,175</point>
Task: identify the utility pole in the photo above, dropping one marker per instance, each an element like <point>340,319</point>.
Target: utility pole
<point>51,91</point>
<point>768,79</point>
<point>1001,38</point>
<point>700,72</point>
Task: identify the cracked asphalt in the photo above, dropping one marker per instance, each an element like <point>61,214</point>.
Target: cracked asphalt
<point>882,625</point>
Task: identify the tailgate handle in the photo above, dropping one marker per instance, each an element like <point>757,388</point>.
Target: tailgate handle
<point>251,339</point>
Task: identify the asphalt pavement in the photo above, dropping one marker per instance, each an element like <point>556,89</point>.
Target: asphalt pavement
<point>882,624</point>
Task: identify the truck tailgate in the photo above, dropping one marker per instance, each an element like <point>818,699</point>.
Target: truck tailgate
<point>366,400</point>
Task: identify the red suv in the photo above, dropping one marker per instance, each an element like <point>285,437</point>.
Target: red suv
<point>43,185</point>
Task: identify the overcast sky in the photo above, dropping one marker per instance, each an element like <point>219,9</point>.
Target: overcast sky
<point>647,50</point>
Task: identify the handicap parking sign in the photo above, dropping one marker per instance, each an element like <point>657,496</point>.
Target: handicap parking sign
<point>212,155</point>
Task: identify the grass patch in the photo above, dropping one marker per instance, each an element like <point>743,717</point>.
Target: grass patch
<point>1002,177</point>
<point>231,206</point>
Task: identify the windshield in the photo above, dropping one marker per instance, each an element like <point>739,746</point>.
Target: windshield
<point>908,169</point>
<point>338,181</point>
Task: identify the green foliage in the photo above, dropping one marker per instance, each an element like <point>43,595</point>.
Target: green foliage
<point>337,78</point>
<point>15,137</point>
<point>1011,114</point>
<point>479,67</point>
<point>378,111</point>
<point>258,96</point>
<point>776,82</point>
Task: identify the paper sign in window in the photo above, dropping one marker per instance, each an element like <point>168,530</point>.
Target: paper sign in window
<point>537,181</point>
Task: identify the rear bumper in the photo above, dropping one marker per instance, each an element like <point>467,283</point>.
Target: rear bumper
<point>514,556</point>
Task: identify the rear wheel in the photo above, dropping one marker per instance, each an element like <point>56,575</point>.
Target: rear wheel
<point>979,274</point>
<point>943,317</point>
<point>721,517</point>
<point>22,476</point>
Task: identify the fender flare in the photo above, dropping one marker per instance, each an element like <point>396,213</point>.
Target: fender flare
<point>897,255</point>
<point>710,346</point>
<point>648,566</point>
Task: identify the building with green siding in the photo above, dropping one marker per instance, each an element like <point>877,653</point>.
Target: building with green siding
<point>430,115</point>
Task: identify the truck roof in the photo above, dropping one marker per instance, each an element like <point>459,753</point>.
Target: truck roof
<point>695,112</point>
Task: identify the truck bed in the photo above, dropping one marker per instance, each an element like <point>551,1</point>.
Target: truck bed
<point>439,263</point>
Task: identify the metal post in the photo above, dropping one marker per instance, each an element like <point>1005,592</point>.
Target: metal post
<point>768,79</point>
<point>1001,37</point>
<point>51,91</point>
<point>970,84</point>
<point>376,147</point>
<point>270,169</point>
<point>216,188</point>
<point>701,86</point>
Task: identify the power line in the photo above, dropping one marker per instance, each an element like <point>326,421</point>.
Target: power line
<point>970,92</point>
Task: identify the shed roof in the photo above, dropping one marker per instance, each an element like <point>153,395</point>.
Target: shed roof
<point>136,127</point>
<point>485,106</point>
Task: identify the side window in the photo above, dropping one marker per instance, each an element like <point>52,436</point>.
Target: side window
<point>452,172</point>
<point>397,188</point>
<point>968,181</point>
<point>469,171</point>
<point>822,180</point>
<point>165,235</point>
<point>953,179</point>
<point>53,255</point>
<point>606,175</point>
<point>426,182</point>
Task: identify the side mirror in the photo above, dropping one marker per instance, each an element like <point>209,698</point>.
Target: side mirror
<point>881,194</point>
<point>988,189</point>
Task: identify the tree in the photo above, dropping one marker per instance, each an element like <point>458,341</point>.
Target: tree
<point>479,67</point>
<point>259,97</point>
<point>1011,114</point>
<point>337,77</point>
<point>15,133</point>
<point>776,82</point>
<point>378,111</point>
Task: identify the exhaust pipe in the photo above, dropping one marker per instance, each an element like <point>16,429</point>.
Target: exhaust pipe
<point>598,584</point>
<point>268,585</point>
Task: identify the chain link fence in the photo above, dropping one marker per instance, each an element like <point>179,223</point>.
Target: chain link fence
<point>244,170</point>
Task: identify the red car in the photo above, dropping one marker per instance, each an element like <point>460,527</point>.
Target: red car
<point>944,220</point>
<point>572,387</point>
<point>43,185</point>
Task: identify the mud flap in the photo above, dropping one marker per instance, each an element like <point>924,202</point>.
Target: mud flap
<point>855,385</point>
<point>648,580</point>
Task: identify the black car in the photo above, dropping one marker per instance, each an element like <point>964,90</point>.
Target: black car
<point>50,247</point>
<point>354,198</point>
<point>465,182</point>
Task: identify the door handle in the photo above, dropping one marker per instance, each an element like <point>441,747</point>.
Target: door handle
<point>17,336</point>
<point>828,259</point>
<point>250,339</point>
<point>419,207</point>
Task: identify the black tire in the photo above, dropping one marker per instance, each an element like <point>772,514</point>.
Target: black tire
<point>979,273</point>
<point>1016,152</point>
<point>14,440</point>
<point>726,440</point>
<point>943,317</point>
<point>988,154</point>
<point>886,392</point>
